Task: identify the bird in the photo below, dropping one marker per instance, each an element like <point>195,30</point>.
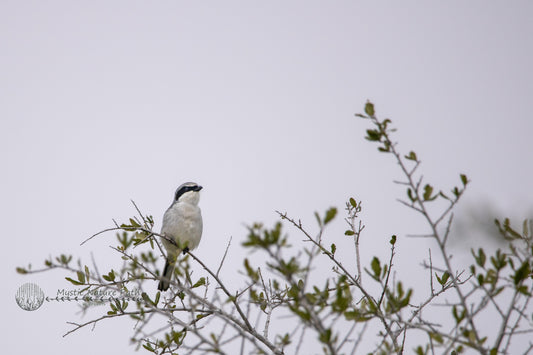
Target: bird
<point>182,223</point>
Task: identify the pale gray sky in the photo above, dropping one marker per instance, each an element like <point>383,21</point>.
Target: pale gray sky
<point>106,101</point>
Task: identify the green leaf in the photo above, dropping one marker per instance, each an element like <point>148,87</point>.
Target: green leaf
<point>411,195</point>
<point>199,283</point>
<point>81,277</point>
<point>357,316</point>
<point>21,270</point>
<point>304,314</point>
<point>411,156</point>
<point>428,191</point>
<point>149,347</point>
<point>444,278</point>
<point>456,192</point>
<point>443,195</point>
<point>325,337</point>
<point>506,230</point>
<point>252,273</point>
<point>333,248</point>
<point>285,340</point>
<point>317,216</point>
<point>110,276</point>
<point>492,277</point>
<point>64,259</point>
<point>310,297</point>
<point>353,202</point>
<point>458,317</point>
<point>437,337</point>
<point>393,240</point>
<point>480,258</point>
<point>473,269</point>
<point>146,298</point>
<point>385,148</point>
<point>499,260</point>
<point>343,297</point>
<point>287,268</point>
<point>87,274</point>
<point>376,267</point>
<point>134,223</point>
<point>372,306</point>
<point>293,292</point>
<point>373,135</point>
<point>464,179</point>
<point>513,232</point>
<point>349,232</point>
<point>117,307</point>
<point>177,337</point>
<point>522,273</point>
<point>369,109</point>
<point>523,290</point>
<point>525,230</point>
<point>330,214</point>
<point>74,282</point>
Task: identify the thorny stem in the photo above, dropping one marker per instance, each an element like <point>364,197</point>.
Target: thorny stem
<point>354,281</point>
<point>314,320</point>
<point>240,327</point>
<point>233,298</point>
<point>433,224</point>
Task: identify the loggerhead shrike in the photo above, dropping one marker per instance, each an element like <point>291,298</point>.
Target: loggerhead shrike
<point>182,222</point>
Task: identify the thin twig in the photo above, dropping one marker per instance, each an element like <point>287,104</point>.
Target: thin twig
<point>224,257</point>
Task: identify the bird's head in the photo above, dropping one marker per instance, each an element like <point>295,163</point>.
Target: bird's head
<point>188,192</point>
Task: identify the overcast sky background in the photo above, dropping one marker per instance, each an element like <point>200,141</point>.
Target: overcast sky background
<point>106,101</point>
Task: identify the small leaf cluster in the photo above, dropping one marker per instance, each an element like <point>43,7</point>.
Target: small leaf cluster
<point>261,238</point>
<point>417,192</point>
<point>503,269</point>
<point>381,131</point>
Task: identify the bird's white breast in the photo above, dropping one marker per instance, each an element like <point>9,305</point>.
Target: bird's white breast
<point>183,223</point>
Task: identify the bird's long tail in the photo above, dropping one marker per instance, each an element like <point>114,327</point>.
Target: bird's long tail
<point>164,283</point>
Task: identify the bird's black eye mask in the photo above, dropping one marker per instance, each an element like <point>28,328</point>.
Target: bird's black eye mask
<point>184,189</point>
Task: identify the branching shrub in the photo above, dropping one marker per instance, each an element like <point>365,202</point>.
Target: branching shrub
<point>284,302</point>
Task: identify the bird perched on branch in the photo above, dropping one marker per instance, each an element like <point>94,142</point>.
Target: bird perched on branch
<point>182,228</point>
